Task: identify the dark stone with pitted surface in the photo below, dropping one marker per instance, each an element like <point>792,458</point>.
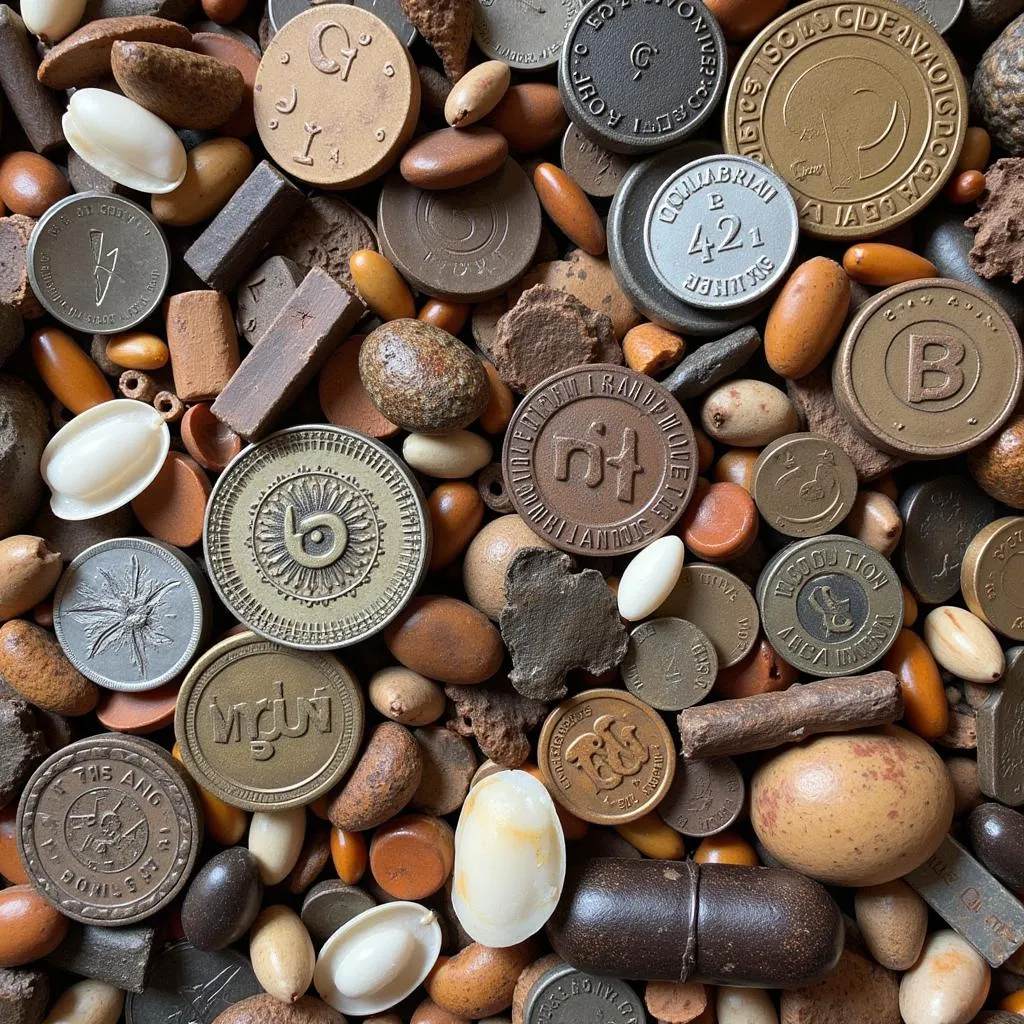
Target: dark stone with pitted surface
<point>712,362</point>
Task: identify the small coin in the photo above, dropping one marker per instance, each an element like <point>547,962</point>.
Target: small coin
<point>670,664</point>
<point>606,756</point>
<point>391,13</point>
<point>992,576</point>
<point>281,12</point>
<point>804,485</point>
<point>721,232</point>
<point>109,829</point>
<point>600,460</point>
<point>329,905</point>
<point>1000,757</point>
<point>98,263</point>
<point>563,995</point>
<point>595,169</point>
<point>706,797</point>
<point>940,14</point>
<point>316,537</point>
<point>525,34</point>
<point>929,369</point>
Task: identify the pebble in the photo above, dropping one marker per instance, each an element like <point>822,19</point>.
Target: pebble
<point>649,578</point>
<point>997,837</point>
<point>449,316</point>
<point>478,981</point>
<point>405,696</point>
<point>210,442</point>
<point>342,396</point>
<point>965,187</point>
<point>962,644</point>
<point>137,350</point>
<point>875,519</point>
<point>726,848</point>
<point>349,855</point>
<point>411,857</point>
<point>744,1006</point>
<point>30,184</point>
<point>977,149</point>
<point>477,93</point>
<point>453,157</point>
<point>265,1009</point>
<point>138,713</point>
<point>948,985</point>
<point>995,87</point>
<point>72,377</point>
<point>997,464</point>
<point>275,840</point>
<point>676,1002</point>
<point>761,671</point>
<point>488,557</point>
<point>856,992</point>
<point>214,171</point>
<point>880,265</point>
<point>653,838</point>
<point>52,20</point>
<point>925,709</point>
<point>33,663</point>
<point>453,456</point>
<point>720,523</point>
<point>87,1002</point>
<point>501,403</point>
<point>711,362</point>
<point>29,927</point>
<point>964,773</point>
<point>530,116</point>
<point>893,921</point>
<point>570,208</point>
<point>648,348</point>
<point>29,570</point>
<point>222,900</point>
<point>281,953</point>
<point>22,743</point>
<point>449,764</point>
<point>382,288</point>
<point>748,414</point>
<point>172,507</point>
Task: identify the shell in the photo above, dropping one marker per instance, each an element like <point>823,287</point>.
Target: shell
<point>52,20</point>
<point>509,859</point>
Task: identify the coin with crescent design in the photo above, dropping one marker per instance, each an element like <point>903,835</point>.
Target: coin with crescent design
<point>525,34</point>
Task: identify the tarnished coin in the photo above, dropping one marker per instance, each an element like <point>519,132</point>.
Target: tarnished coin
<point>1000,724</point>
<point>706,797</point>
<point>109,829</point>
<point>992,576</point>
<point>525,34</point>
<point>928,369</point>
<point>721,232</point>
<point>830,606</point>
<point>316,537</point>
<point>861,109</point>
<point>98,263</point>
<point>564,995</point>
<point>606,756</point>
<point>600,460</point>
<point>280,12</point>
<point>670,664</point>
<point>595,169</point>
<point>130,613</point>
<point>804,485</point>
<point>265,727</point>
<point>940,14</point>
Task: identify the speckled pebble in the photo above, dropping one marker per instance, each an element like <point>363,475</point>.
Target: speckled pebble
<point>893,920</point>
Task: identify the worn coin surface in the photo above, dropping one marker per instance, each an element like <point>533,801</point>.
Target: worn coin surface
<point>600,460</point>
<point>606,756</point>
<point>316,537</point>
<point>564,995</point>
<point>1000,724</point>
<point>98,263</point>
<point>595,169</point>
<point>280,12</point>
<point>860,108</point>
<point>109,829</point>
<point>992,576</point>
<point>940,14</point>
<point>706,797</point>
<point>525,34</point>
<point>670,664</point>
<point>391,13</point>
<point>928,369</point>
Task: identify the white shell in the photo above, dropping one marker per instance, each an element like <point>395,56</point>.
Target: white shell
<point>52,20</point>
<point>104,457</point>
<point>509,859</point>
<point>379,957</point>
<point>650,577</point>
<point>447,456</point>
<point>124,141</point>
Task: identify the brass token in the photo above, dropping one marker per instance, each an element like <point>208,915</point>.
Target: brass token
<point>606,756</point>
<point>670,664</point>
<point>861,108</point>
<point>992,576</point>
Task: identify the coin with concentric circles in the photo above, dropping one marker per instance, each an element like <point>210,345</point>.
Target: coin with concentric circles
<point>670,664</point>
<point>860,108</point>
<point>316,537</point>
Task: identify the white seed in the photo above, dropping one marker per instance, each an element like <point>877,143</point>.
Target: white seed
<point>371,965</point>
<point>745,1006</point>
<point>962,644</point>
<point>477,93</point>
<point>275,840</point>
<point>87,1002</point>
<point>650,577</point>
<point>447,456</point>
<point>52,20</point>
<point>281,953</point>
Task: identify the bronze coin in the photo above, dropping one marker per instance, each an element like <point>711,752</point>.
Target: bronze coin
<point>992,576</point>
<point>670,664</point>
<point>706,797</point>
<point>606,756</point>
<point>600,460</point>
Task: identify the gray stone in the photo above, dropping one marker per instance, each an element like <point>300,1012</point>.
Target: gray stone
<point>712,362</point>
<point>982,20</point>
<point>72,537</point>
<point>85,178</point>
<point>22,747</point>
<point>24,431</point>
<point>263,294</point>
<point>118,956</point>
<point>24,993</point>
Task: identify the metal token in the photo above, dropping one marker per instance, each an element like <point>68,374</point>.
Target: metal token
<point>600,460</point>
<point>940,14</point>
<point>280,12</point>
<point>109,829</point>
<point>706,797</point>
<point>130,613</point>
<point>316,537</point>
<point>992,576</point>
<point>525,34</point>
<point>391,13</point>
<point>595,169</point>
<point>721,232</point>
<point>1000,725</point>
<point>670,664</point>
<point>329,905</point>
<point>98,263</point>
<point>563,995</point>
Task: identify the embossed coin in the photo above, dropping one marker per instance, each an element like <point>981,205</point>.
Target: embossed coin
<point>721,232</point>
<point>606,756</point>
<point>670,664</point>
<point>639,77</point>
<point>109,829</point>
<point>804,485</point>
<point>563,995</point>
<point>595,169</point>
<point>1000,755</point>
<point>98,263</point>
<point>992,576</point>
<point>928,369</point>
<point>706,797</point>
<point>336,97</point>
<point>466,244</point>
<point>525,34</point>
<point>940,14</point>
<point>316,537</point>
<point>860,108</point>
<point>830,606</point>
<point>600,460</point>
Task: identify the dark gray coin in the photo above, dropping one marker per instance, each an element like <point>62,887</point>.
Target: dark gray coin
<point>595,169</point>
<point>192,986</point>
<point>98,263</point>
<point>564,995</point>
<point>329,905</point>
<point>670,664</point>
<point>706,797</point>
<point>940,14</point>
<point>525,34</point>
<point>1000,725</point>
<point>280,12</point>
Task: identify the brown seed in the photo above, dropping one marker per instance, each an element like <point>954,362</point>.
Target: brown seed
<point>477,93</point>
<point>313,858</point>
<point>880,265</point>
<point>381,286</point>
<point>29,927</point>
<point>997,465</point>
<point>478,981</point>
<point>412,856</point>
<point>242,123</point>
<point>720,523</point>
<point>172,507</point>
<point>453,157</point>
<point>737,466</point>
<point>210,442</point>
<point>266,1009</point>
<point>925,709</point>
<point>761,671</point>
<point>570,208</point>
<point>977,149</point>
<point>214,171</point>
<point>965,187</point>
<point>10,863</point>
<point>494,419</point>
<point>530,116</point>
<point>29,570</point>
<point>875,519</point>
<point>449,764</point>
<point>456,512</point>
<point>449,316</point>
<point>137,350</point>
<point>650,349</point>
<point>344,399</point>
<point>138,713</point>
<point>30,184</point>
<point>72,377</point>
<point>405,696</point>
<point>33,663</point>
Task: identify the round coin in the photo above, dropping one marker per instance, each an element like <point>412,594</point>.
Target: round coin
<point>639,77</point>
<point>804,485</point>
<point>928,369</point>
<point>329,905</point>
<point>600,460</point>
<point>940,14</point>
<point>670,664</point>
<point>861,109</point>
<point>595,169</point>
<point>265,727</point>
<point>721,232</point>
<point>98,263</point>
<point>563,995</point>
<point>109,829</point>
<point>525,34</point>
<point>280,12</point>
<point>316,537</point>
<point>606,756</point>
<point>706,797</point>
<point>992,576</point>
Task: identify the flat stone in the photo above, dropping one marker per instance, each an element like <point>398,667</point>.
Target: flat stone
<point>712,362</point>
<point>15,290</point>
<point>263,294</point>
<point>119,956</point>
<point>498,718</point>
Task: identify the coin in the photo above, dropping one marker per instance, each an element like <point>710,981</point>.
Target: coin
<point>992,576</point>
<point>336,97</point>
<point>1000,756</point>
<point>639,77</point>
<point>670,664</point>
<point>804,485</point>
<point>706,797</point>
<point>280,12</point>
<point>109,829</point>
<point>98,263</point>
<point>606,756</point>
<point>940,14</point>
<point>721,231</point>
<point>563,995</point>
<point>130,613</point>
<point>329,905</point>
<point>600,460</point>
<point>316,537</point>
<point>595,169</point>
<point>861,109</point>
<point>928,369</point>
<point>525,34</point>
<point>830,606</point>
<point>391,13</point>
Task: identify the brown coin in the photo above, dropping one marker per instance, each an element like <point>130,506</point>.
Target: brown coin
<point>706,796</point>
<point>595,169</point>
<point>600,460</point>
<point>992,576</point>
<point>606,756</point>
<point>928,369</point>
<point>336,97</point>
<point>670,664</point>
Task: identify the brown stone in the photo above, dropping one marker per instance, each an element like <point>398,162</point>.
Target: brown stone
<point>453,157</point>
<point>448,767</point>
<point>498,718</point>
<point>242,123</point>
<point>998,464</point>
<point>343,398</point>
<point>203,343</point>
<point>313,858</point>
<point>858,991</point>
<point>478,981</point>
<point>33,663</point>
<point>266,1009</point>
<point>448,26</point>
<point>24,994</point>
<point>999,241</point>
<point>22,747</point>
<point>761,671</point>
<point>15,231</point>
<point>530,115</point>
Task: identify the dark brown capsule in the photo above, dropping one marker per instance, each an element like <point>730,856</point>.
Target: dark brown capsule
<point>997,837</point>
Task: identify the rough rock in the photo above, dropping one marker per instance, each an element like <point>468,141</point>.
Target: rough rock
<point>24,431</point>
<point>997,92</point>
<point>999,223</point>
<point>448,26</point>
<point>713,361</point>
<point>498,719</point>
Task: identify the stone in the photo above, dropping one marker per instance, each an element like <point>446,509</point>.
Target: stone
<point>24,993</point>
<point>22,747</point>
<point>998,248</point>
<point>449,764</point>
<point>948,985</point>
<point>997,464</point>
<point>713,361</point>
<point>453,157</point>
<point>980,20</point>
<point>893,922</point>
<point>118,956</point>
<point>33,663</point>
<point>12,330</point>
<point>263,294</point>
<point>24,431</point>
<point>498,718</point>
<point>15,290</point>
<point>222,900</point>
<point>265,1009</point>
<point>997,91</point>
<point>448,26</point>
<point>856,992</point>
<point>86,178</point>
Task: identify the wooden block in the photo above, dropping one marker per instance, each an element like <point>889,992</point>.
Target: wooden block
<point>263,294</point>
<point>294,347</point>
<point>37,108</point>
<point>203,343</point>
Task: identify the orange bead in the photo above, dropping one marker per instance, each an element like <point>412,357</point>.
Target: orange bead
<point>224,824</point>
<point>965,188</point>
<point>349,854</point>
<point>449,316</point>
<point>412,856</point>
<point>73,378</point>
<point>570,208</point>
<point>138,350</point>
<point>1014,1002</point>
<point>30,184</point>
<point>648,348</point>
<point>456,512</point>
<point>29,926</point>
<point>880,265</point>
<point>726,848</point>
<point>10,862</point>
<point>653,838</point>
<point>572,827</point>
<point>705,450</point>
<point>925,708</point>
<point>761,671</point>
<point>720,522</point>
<point>501,404</point>
<point>909,606</point>
<point>736,466</point>
<point>977,149</point>
<point>381,286</point>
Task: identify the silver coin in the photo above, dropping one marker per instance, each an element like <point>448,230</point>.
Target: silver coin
<point>721,232</point>
<point>595,169</point>
<point>940,14</point>
<point>391,13</point>
<point>525,34</point>
<point>280,12</point>
<point>98,263</point>
<point>131,613</point>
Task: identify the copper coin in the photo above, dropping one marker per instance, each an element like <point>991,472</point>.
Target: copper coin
<point>706,797</point>
<point>992,576</point>
<point>606,756</point>
<point>670,664</point>
<point>600,460</point>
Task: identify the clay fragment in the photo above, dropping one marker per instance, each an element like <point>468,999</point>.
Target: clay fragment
<point>498,719</point>
<point>998,248</point>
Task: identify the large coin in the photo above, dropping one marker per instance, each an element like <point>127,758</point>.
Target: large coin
<point>316,537</point>
<point>525,34</point>
<point>992,576</point>
<point>861,108</point>
<point>670,664</point>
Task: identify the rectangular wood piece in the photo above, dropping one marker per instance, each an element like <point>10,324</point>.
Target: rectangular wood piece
<point>37,108</point>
